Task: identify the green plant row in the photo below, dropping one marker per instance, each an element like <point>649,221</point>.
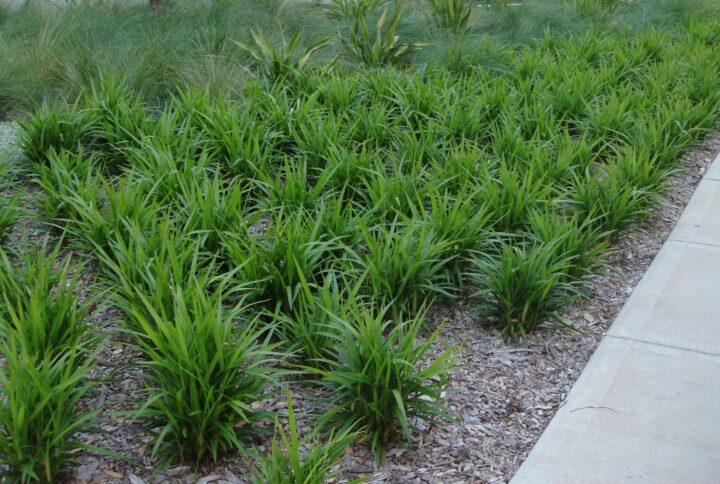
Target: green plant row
<point>308,228</point>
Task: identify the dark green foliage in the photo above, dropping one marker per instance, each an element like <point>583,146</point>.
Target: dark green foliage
<point>404,265</point>
<point>274,264</point>
<point>609,201</point>
<point>339,202</point>
<point>572,238</point>
<point>309,327</point>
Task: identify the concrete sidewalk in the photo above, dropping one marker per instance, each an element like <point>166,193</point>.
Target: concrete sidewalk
<point>647,406</point>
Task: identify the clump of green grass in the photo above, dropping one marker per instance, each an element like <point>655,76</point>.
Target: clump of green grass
<point>383,377</point>
<point>453,15</point>
<point>307,460</point>
<point>45,342</point>
<point>40,416</point>
<point>57,125</point>
<point>283,61</point>
<point>293,249</point>
<point>63,176</point>
<point>203,375</point>
<point>511,195</point>
<point>40,304</point>
<point>143,265</point>
<point>463,223</point>
<point>373,42</point>
<point>309,327</point>
<point>523,286</point>
<point>120,116</point>
<point>584,246</point>
<point>9,213</point>
<point>403,265</point>
<point>612,203</point>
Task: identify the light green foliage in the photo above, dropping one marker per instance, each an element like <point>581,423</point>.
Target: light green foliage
<point>454,15</point>
<point>283,61</point>
<point>374,42</point>
<point>120,114</point>
<point>58,126</point>
<point>9,201</point>
<point>39,413</point>
<point>39,304</point>
<point>9,213</point>
<point>46,343</point>
<point>573,238</point>
<point>63,177</point>
<point>384,377</point>
<point>274,265</point>
<point>293,460</point>
<point>202,374</point>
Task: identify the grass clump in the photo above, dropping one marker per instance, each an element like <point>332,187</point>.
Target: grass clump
<point>63,177</point>
<point>612,203</point>
<point>309,460</point>
<point>383,377</point>
<point>523,286</point>
<point>57,125</point>
<point>46,345</point>
<point>40,415</point>
<point>373,42</point>
<point>453,15</point>
<point>203,375</point>
<point>570,237</point>
<point>9,213</point>
<point>404,265</point>
<point>309,327</point>
<point>274,265</point>
<point>284,61</point>
<point>40,304</point>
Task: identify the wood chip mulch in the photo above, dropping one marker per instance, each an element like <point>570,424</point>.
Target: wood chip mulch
<point>503,394</point>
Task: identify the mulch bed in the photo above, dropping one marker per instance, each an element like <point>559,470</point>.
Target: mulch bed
<point>503,394</point>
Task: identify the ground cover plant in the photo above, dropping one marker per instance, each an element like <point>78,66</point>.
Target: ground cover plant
<point>297,231</point>
<point>46,346</point>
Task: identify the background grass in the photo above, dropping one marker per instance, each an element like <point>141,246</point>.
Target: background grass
<point>47,51</point>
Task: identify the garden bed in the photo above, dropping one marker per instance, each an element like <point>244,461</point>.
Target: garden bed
<point>504,394</point>
<point>406,268</point>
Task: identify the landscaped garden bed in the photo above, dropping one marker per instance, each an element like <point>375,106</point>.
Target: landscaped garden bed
<point>376,258</point>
